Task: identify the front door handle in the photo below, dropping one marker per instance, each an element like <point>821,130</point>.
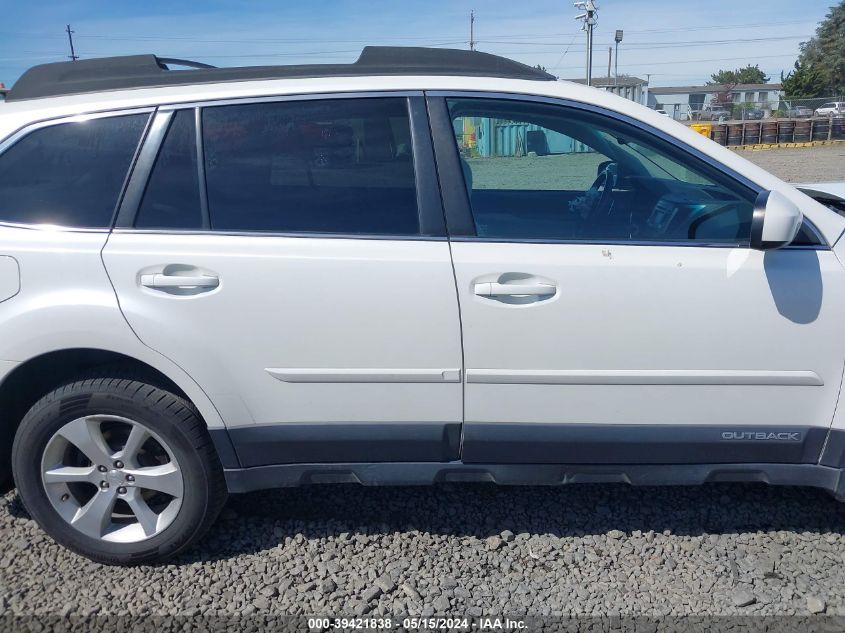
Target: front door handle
<point>495,289</point>
<point>159,280</point>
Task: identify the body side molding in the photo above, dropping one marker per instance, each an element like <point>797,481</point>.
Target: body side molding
<point>643,377</point>
<point>297,374</point>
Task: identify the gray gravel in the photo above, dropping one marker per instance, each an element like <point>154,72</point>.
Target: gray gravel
<point>824,163</point>
<point>718,549</point>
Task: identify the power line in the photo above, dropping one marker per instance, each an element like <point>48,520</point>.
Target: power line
<point>721,27</point>
<point>693,61</point>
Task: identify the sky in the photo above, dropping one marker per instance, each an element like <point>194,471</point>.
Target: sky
<point>676,42</point>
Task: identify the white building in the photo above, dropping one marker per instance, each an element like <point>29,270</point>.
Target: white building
<point>679,101</point>
<point>631,88</point>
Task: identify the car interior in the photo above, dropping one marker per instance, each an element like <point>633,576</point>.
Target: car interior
<point>639,192</point>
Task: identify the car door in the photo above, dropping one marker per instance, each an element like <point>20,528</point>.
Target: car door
<point>290,255</point>
<point>631,322</point>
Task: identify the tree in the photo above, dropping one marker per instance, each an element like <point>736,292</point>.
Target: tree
<point>748,75</point>
<point>820,69</point>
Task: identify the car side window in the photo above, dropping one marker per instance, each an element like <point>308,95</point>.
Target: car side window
<point>69,174</point>
<point>541,171</point>
<point>172,197</point>
<point>323,166</point>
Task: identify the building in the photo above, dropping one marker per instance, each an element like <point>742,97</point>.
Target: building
<point>680,101</point>
<point>631,88</point>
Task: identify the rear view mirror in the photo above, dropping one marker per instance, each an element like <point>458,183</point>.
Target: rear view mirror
<point>775,222</point>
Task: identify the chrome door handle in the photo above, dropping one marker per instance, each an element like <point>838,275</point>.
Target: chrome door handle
<point>159,280</point>
<point>495,289</point>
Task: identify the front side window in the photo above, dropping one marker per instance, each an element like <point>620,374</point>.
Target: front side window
<point>328,166</point>
<point>69,174</point>
<point>547,172</point>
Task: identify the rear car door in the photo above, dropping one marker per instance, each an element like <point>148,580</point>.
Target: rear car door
<point>291,256</point>
<point>612,309</point>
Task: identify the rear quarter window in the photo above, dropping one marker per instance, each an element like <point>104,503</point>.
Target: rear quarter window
<point>69,174</point>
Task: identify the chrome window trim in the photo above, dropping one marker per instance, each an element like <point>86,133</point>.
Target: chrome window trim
<point>624,118</point>
<point>308,235</point>
<point>299,96</point>
<point>732,245</point>
<point>26,130</point>
<point>51,227</point>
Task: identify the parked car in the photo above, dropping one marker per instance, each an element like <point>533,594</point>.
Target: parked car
<point>753,114</point>
<point>221,280</point>
<point>800,112</point>
<point>715,113</point>
<point>831,109</point>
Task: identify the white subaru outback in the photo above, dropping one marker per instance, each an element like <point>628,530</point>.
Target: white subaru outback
<point>424,266</point>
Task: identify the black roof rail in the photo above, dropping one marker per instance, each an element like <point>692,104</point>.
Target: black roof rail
<point>167,62</point>
<point>147,71</point>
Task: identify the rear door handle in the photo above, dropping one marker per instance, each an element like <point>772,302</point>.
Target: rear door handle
<point>159,280</point>
<point>495,289</point>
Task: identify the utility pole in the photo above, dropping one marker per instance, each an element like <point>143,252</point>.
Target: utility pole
<point>590,19</point>
<point>609,61</point>
<point>472,30</point>
<point>73,56</point>
<point>618,39</point>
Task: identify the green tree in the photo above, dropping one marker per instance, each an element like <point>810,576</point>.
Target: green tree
<point>820,69</point>
<point>748,75</point>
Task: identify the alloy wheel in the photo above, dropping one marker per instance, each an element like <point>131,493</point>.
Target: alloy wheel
<point>112,478</point>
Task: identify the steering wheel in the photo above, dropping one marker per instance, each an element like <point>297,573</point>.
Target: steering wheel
<point>601,191</point>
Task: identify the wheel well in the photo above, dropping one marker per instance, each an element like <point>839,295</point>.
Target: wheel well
<point>31,380</point>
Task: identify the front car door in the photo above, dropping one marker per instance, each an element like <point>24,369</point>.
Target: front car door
<point>612,309</point>
<point>290,255</point>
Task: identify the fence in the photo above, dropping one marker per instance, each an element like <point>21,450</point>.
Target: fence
<point>775,131</point>
<point>781,108</point>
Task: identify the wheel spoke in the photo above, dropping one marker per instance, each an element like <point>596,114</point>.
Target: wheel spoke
<point>165,478</point>
<point>71,474</point>
<point>95,516</point>
<point>137,436</point>
<point>146,517</point>
<point>85,434</point>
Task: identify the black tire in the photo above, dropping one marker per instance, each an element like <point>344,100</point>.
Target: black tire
<point>171,417</point>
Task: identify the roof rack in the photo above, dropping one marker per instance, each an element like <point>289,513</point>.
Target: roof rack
<point>146,71</point>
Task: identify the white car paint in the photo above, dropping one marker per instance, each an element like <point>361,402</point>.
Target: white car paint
<point>732,326</point>
<point>376,306</point>
<point>832,188</point>
<point>66,301</point>
<point>383,305</point>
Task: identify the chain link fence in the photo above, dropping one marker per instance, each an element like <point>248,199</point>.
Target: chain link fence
<point>786,108</point>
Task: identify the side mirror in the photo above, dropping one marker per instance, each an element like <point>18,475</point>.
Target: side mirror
<point>775,222</point>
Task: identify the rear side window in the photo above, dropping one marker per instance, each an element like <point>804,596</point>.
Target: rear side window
<point>328,166</point>
<point>69,174</point>
<point>172,198</point>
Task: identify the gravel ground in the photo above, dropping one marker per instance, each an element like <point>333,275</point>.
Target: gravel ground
<point>825,163</point>
<point>472,550</point>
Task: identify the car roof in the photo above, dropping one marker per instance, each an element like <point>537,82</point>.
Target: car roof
<point>144,71</point>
